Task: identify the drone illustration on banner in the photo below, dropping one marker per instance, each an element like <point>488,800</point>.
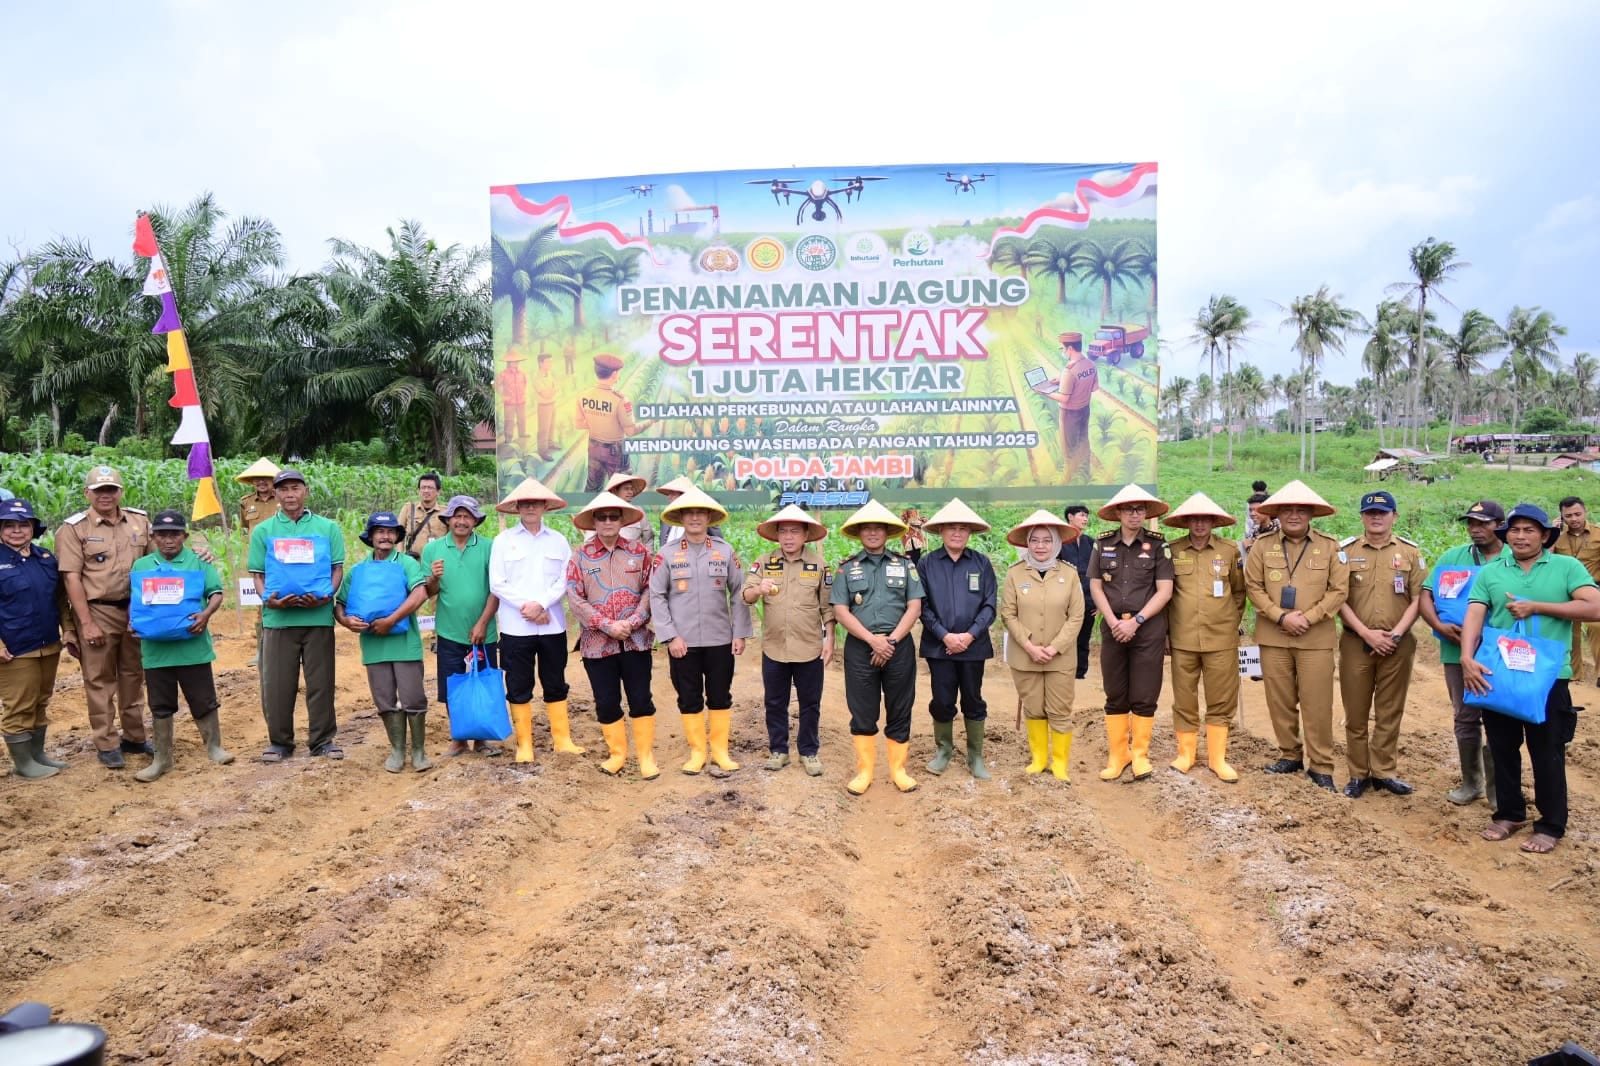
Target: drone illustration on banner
<point>641,190</point>
<point>818,194</point>
<point>965,183</point>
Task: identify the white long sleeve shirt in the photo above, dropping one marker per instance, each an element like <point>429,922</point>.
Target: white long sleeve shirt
<point>529,568</point>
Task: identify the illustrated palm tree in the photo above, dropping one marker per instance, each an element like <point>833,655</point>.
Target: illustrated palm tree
<point>1105,422</point>
<point>1145,268</point>
<point>1009,256</point>
<point>1321,324</point>
<point>1476,336</point>
<point>591,274</point>
<point>1112,263</point>
<point>1433,263</point>
<point>1530,336</point>
<point>1054,256</point>
<point>536,270</point>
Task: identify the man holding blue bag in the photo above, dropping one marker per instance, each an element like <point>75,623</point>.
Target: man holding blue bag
<point>458,573</point>
<point>1554,591</point>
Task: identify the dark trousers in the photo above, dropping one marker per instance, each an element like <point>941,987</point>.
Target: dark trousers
<point>703,679</point>
<point>892,685</point>
<point>545,653</point>
<point>957,677</point>
<point>1547,751</point>
<point>776,679</point>
<point>286,651</point>
<point>1131,672</point>
<point>451,659</point>
<point>199,686</point>
<point>610,675</point>
<point>1085,633</point>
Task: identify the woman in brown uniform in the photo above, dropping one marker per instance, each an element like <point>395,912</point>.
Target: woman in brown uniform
<point>1042,608</point>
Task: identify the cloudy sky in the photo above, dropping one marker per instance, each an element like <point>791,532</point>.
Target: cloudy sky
<point>1296,147</point>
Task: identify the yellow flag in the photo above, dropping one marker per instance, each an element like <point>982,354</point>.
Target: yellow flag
<point>206,502</point>
<point>177,352</point>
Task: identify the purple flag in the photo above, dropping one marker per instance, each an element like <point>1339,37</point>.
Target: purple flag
<point>169,314</point>
<point>200,461</point>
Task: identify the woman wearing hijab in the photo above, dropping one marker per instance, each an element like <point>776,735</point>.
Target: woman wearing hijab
<point>1041,606</point>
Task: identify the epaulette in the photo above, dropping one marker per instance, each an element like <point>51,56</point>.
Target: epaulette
<point>1110,533</point>
<point>1346,542</point>
<point>1153,534</point>
<point>138,511</point>
<point>79,517</point>
<point>1405,540</point>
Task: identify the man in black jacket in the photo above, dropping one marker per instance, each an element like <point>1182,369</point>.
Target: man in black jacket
<point>1078,552</point>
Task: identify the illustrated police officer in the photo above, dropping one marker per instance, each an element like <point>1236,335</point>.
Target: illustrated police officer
<point>608,419</point>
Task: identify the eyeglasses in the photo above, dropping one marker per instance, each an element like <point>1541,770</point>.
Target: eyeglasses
<point>1134,508</point>
<point>608,516</point>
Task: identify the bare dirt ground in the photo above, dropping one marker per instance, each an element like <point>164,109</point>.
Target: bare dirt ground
<point>330,913</point>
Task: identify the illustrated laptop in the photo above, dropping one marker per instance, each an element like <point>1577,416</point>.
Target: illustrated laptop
<point>1039,380</point>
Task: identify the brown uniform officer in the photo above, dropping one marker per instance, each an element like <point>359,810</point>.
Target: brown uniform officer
<point>1297,579</point>
<point>608,418</point>
<point>1377,648</point>
<point>255,509</point>
<point>1130,578</point>
<point>1581,540</point>
<point>1203,630</point>
<point>96,549</point>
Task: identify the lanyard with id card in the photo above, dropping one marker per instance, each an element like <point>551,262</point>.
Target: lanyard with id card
<point>1218,585</point>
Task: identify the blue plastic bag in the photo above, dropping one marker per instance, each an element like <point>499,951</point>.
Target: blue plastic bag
<point>377,589</point>
<point>1524,668</point>
<point>1451,587</point>
<point>300,566</point>
<point>477,702</point>
<point>163,603</point>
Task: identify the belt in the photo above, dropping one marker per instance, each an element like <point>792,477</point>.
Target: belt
<point>114,603</point>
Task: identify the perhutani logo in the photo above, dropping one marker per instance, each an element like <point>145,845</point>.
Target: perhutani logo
<point>866,251</point>
<point>816,252</point>
<point>917,248</point>
<point>765,254</point>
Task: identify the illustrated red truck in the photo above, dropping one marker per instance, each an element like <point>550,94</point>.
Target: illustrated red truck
<point>1111,341</point>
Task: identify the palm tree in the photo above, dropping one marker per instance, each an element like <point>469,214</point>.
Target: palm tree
<point>1145,267</point>
<point>1176,396</point>
<point>1235,323</point>
<point>1054,257</point>
<point>1251,390</point>
<point>1475,336</point>
<point>1585,373</point>
<point>1530,334</point>
<point>587,275</point>
<point>1320,322</point>
<point>1113,263</point>
<point>1210,323</point>
<point>1382,354</point>
<point>534,270</point>
<point>1009,255</point>
<point>1432,264</point>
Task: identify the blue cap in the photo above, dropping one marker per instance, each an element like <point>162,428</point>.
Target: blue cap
<point>381,520</point>
<point>20,510</point>
<point>1377,501</point>
<point>1532,514</point>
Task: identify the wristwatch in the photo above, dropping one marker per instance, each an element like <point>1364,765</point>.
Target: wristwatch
<point>1139,618</point>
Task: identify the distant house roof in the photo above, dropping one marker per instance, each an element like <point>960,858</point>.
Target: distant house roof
<point>483,437</point>
<point>1405,455</point>
<point>1381,464</point>
<point>1571,459</point>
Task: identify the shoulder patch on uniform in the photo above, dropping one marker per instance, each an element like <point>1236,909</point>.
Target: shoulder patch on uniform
<point>75,519</point>
<point>138,511</point>
<point>1108,534</point>
<point>1346,542</point>
<point>1405,540</point>
<point>1154,534</point>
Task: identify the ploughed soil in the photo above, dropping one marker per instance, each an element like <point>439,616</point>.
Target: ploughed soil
<point>488,913</point>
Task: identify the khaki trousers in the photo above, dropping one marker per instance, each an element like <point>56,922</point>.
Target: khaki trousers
<point>1220,671</point>
<point>1373,686</point>
<point>1577,650</point>
<point>1046,694</point>
<point>1299,683</point>
<point>113,680</point>
<point>25,686</point>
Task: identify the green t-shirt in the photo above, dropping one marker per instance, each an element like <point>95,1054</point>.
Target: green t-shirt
<point>1552,579</point>
<point>155,654</point>
<point>1465,555</point>
<point>390,647</point>
<point>464,588</point>
<point>281,525</point>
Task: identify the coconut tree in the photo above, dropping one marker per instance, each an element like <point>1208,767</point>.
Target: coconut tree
<point>536,270</point>
<point>1175,396</point>
<point>1054,256</point>
<point>1475,336</point>
<point>1209,324</point>
<point>1432,263</point>
<point>1381,357</point>
<point>1530,337</point>
<point>1252,392</point>
<point>1585,374</point>
<point>1112,263</point>
<point>1321,323</point>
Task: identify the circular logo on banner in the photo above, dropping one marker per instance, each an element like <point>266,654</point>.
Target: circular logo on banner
<point>719,257</point>
<point>765,254</point>
<point>865,251</point>
<point>816,252</point>
<point>917,244</point>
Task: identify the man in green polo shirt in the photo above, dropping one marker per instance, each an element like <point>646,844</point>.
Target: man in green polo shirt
<point>184,663</point>
<point>1554,591</point>
<point>458,574</point>
<point>297,630</point>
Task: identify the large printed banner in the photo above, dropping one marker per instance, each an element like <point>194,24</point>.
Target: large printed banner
<point>815,335</point>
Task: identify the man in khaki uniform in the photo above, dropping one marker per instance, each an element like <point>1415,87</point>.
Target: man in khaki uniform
<point>793,584</point>
<point>1203,629</point>
<point>96,549</point>
<point>512,385</point>
<point>255,509</point>
<point>1581,540</point>
<point>544,395</point>
<point>608,419</point>
<point>1377,649</point>
<point>423,519</point>
<point>1297,579</point>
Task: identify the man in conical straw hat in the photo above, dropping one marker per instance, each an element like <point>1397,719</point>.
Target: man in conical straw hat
<point>697,609</point>
<point>528,572</point>
<point>959,594</point>
<point>1130,578</point>
<point>608,589</point>
<point>792,583</point>
<point>254,509</point>
<point>626,487</point>
<point>877,597</point>
<point>1042,607</point>
<point>1203,629</point>
<point>1298,579</point>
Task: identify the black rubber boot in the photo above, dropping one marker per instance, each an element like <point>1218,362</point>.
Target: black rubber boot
<point>39,754</point>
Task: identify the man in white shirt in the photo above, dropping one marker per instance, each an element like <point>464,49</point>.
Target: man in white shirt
<point>528,572</point>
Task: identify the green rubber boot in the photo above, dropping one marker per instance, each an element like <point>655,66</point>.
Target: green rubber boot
<point>36,747</point>
<point>944,739</point>
<point>395,725</point>
<point>22,764</point>
<point>162,730</point>
<point>211,732</point>
<point>419,737</point>
<point>975,749</point>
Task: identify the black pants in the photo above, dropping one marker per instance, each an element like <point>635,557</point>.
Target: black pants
<point>894,684</point>
<point>1085,634</point>
<point>953,677</point>
<point>609,676</point>
<point>199,686</point>
<point>703,679</point>
<point>451,659</point>
<point>776,678</point>
<point>521,656</point>
<point>1547,751</point>
<point>1132,672</point>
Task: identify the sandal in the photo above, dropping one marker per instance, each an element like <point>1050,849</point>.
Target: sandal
<point>1540,844</point>
<point>1498,830</point>
<point>491,750</point>
<point>272,755</point>
<point>328,751</point>
<point>457,747</point>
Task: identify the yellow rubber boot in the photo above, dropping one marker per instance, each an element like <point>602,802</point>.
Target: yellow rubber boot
<point>561,728</point>
<point>1038,745</point>
<point>694,732</point>
<point>1060,750</point>
<point>522,729</point>
<point>721,723</point>
<point>1118,758</point>
<point>1188,749</point>
<point>1217,753</point>
<point>1139,746</point>
<point>616,734</point>
<point>644,742</point>
<point>866,753</point>
<point>898,753</point>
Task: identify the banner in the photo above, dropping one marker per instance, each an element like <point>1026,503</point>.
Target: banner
<point>817,335</point>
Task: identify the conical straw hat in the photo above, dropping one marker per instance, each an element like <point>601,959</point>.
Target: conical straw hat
<point>1297,492</point>
<point>677,484</point>
<point>691,500</point>
<point>1019,532</point>
<point>768,530</point>
<point>955,511</point>
<point>1132,494</point>
<point>530,489</point>
<point>1198,504</point>
<point>259,468</point>
<point>605,501</point>
<point>873,513</point>
<point>619,479</point>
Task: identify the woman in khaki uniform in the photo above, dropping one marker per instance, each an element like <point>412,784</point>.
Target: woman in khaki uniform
<point>1041,606</point>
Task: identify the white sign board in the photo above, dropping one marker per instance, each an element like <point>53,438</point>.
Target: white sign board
<point>1250,661</point>
<point>424,623</point>
<point>248,596</point>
